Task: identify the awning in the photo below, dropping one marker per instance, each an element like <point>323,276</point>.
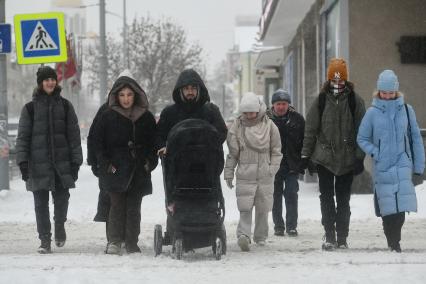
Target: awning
<point>270,58</point>
<point>286,17</point>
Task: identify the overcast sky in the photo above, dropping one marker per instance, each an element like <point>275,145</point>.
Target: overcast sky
<point>210,22</point>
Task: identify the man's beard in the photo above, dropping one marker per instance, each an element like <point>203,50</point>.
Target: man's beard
<point>191,101</point>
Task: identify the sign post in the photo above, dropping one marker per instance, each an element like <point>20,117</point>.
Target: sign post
<point>4,142</point>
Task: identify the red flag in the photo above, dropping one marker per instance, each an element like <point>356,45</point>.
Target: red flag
<point>68,69</point>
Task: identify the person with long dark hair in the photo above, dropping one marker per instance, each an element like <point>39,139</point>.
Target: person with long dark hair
<point>49,155</point>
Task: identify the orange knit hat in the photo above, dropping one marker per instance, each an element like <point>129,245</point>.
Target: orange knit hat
<point>337,69</point>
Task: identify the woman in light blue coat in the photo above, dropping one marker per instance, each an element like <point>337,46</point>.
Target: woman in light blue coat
<point>390,135</point>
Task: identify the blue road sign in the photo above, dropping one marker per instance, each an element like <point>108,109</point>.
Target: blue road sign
<point>40,38</point>
<point>5,38</point>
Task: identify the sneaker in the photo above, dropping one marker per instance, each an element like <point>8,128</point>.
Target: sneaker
<point>132,248</point>
<point>292,233</point>
<point>45,247</point>
<point>244,243</point>
<point>113,248</point>
<point>261,243</point>
<point>279,232</point>
<point>60,235</point>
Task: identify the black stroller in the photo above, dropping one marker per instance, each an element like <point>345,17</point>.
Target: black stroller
<point>191,173</point>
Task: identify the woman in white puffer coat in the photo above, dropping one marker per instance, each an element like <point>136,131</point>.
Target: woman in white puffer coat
<point>255,149</point>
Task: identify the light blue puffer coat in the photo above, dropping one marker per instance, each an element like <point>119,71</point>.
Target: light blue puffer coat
<point>383,134</point>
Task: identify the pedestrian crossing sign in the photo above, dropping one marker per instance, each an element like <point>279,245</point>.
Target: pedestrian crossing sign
<point>40,38</point>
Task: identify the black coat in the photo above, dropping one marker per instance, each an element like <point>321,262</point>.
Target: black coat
<point>91,151</point>
<point>125,144</point>
<point>181,110</point>
<point>49,140</point>
<point>291,127</point>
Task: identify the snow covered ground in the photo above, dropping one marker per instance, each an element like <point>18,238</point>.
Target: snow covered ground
<point>282,260</point>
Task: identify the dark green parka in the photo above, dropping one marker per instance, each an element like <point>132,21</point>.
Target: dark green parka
<point>330,141</point>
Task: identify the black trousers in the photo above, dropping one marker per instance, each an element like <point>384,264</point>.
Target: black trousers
<point>124,218</point>
<point>335,215</point>
<point>392,226</point>
<point>41,206</point>
<point>289,191</point>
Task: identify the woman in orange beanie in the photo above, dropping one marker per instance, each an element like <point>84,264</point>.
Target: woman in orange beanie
<point>330,142</point>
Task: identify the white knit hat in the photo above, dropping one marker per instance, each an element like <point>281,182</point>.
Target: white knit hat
<point>250,103</point>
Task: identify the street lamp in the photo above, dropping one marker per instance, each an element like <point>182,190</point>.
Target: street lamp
<point>103,72</point>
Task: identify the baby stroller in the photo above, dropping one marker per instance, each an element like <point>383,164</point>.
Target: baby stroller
<point>191,173</point>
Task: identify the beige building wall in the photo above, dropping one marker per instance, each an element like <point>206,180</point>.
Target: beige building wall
<point>375,28</point>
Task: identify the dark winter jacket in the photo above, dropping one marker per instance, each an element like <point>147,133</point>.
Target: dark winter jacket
<point>331,140</point>
<point>91,151</point>
<point>49,140</point>
<point>291,127</point>
<point>181,110</point>
<point>127,144</point>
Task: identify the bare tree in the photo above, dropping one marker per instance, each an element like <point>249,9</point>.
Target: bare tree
<point>158,51</point>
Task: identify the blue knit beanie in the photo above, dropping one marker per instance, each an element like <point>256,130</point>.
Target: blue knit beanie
<point>281,95</point>
<point>388,81</point>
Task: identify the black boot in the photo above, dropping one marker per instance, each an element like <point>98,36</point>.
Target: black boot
<point>341,243</point>
<point>45,245</point>
<point>330,240</point>
<point>60,235</point>
<point>132,248</point>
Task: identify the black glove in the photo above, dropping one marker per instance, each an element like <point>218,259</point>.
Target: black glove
<point>74,171</point>
<point>303,164</point>
<point>23,167</point>
<point>95,170</point>
<point>358,167</point>
<point>417,179</point>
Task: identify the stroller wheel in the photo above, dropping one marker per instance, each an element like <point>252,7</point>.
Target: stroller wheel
<point>179,248</point>
<point>218,248</point>
<point>158,239</point>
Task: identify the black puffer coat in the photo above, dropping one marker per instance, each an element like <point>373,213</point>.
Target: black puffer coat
<point>126,144</point>
<point>49,140</point>
<point>292,128</point>
<point>181,110</point>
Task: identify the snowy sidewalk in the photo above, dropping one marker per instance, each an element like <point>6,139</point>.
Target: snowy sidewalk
<point>282,260</point>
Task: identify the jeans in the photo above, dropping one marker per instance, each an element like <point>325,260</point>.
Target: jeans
<point>290,180</point>
<point>335,218</point>
<point>41,206</point>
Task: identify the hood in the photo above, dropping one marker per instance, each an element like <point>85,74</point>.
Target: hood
<point>141,101</point>
<point>190,77</point>
<point>388,105</point>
